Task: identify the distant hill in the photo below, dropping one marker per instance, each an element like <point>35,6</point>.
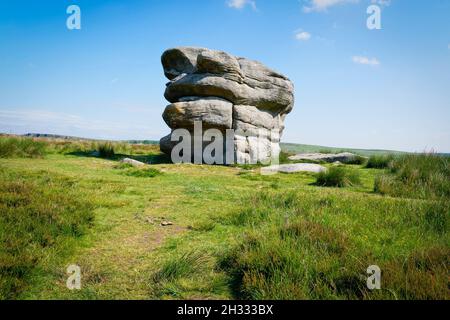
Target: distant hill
<point>53,136</point>
<point>304,148</point>
<point>286,147</point>
<point>57,136</point>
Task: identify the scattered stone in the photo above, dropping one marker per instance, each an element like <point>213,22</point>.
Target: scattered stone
<point>325,157</point>
<point>226,92</point>
<point>293,168</point>
<point>166,223</point>
<point>133,162</point>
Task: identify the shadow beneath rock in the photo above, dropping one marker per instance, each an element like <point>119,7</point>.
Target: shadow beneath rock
<point>145,158</point>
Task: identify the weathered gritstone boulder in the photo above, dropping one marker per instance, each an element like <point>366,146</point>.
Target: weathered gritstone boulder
<point>227,92</point>
<point>293,168</point>
<point>343,157</point>
<point>132,162</point>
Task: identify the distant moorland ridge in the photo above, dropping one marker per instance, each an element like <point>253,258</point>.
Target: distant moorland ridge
<point>286,147</point>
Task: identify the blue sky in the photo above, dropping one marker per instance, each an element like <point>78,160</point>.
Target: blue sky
<point>355,87</point>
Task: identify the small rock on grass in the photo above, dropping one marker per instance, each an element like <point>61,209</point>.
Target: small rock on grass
<point>133,162</point>
<point>293,168</point>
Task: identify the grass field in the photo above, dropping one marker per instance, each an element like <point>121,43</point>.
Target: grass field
<point>305,148</point>
<point>235,234</point>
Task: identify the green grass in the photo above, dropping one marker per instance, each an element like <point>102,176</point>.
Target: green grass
<point>106,150</point>
<point>424,176</point>
<point>318,247</point>
<point>437,215</point>
<point>338,176</point>
<point>357,160</point>
<point>304,148</point>
<point>181,266</point>
<point>143,173</point>
<point>122,166</point>
<point>14,147</point>
<point>129,170</point>
<point>235,233</point>
<point>39,213</point>
<point>165,279</point>
<point>380,161</point>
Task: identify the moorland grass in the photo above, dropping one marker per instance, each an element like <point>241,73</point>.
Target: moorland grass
<point>338,176</point>
<point>380,161</point>
<point>357,160</point>
<point>233,235</point>
<point>299,251</point>
<point>175,268</point>
<point>143,173</point>
<point>16,147</point>
<point>122,166</point>
<point>424,176</point>
<point>180,266</point>
<point>26,147</point>
<point>437,215</point>
<point>106,150</point>
<point>38,214</point>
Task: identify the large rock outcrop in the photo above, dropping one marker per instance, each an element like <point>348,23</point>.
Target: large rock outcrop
<point>227,92</point>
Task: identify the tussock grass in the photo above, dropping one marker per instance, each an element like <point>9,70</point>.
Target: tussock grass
<point>38,215</point>
<point>180,266</point>
<point>15,147</point>
<point>284,157</point>
<point>305,249</point>
<point>62,146</point>
<point>166,279</point>
<point>255,237</point>
<point>422,275</point>
<point>318,235</point>
<point>203,226</point>
<point>380,161</point>
<point>437,215</point>
<point>338,177</point>
<point>87,147</point>
<point>106,150</point>
<point>425,176</point>
<point>357,160</point>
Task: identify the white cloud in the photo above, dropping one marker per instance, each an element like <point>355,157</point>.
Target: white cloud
<point>383,3</point>
<point>302,35</point>
<point>239,4</point>
<point>365,60</point>
<point>323,5</point>
<point>41,121</point>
